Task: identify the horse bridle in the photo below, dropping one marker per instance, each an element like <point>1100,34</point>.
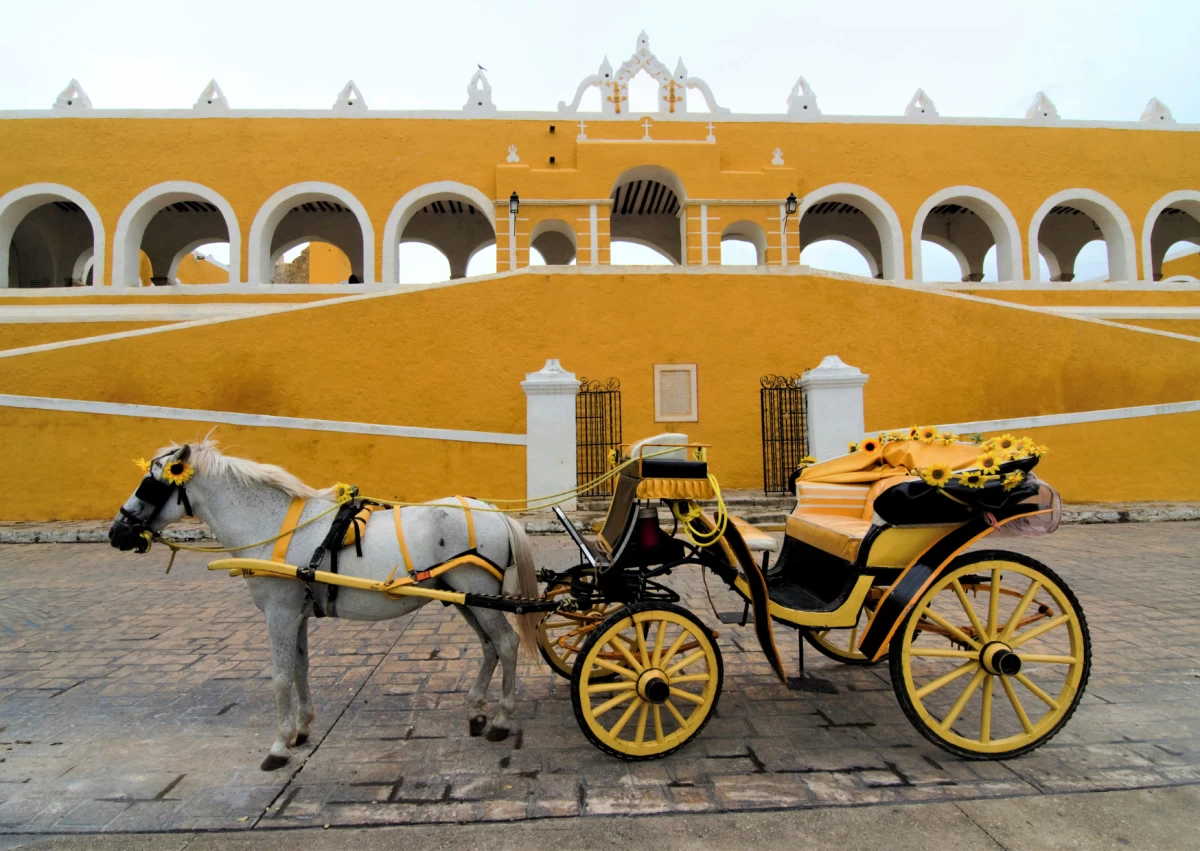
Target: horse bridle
<point>156,494</point>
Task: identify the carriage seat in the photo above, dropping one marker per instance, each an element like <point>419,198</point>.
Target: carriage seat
<point>757,541</point>
<point>835,518</point>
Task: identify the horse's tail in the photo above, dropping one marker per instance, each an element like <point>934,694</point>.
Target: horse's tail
<point>527,586</point>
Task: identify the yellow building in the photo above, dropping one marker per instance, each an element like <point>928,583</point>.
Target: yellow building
<point>86,193</point>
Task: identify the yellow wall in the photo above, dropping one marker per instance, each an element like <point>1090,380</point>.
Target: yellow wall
<point>327,264</point>
<point>18,335</point>
<point>193,271</point>
<point>1188,264</point>
<point>382,159</point>
<point>453,357</point>
<point>1179,326</point>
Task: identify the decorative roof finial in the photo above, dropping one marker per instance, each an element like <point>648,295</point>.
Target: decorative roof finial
<point>921,106</point>
<point>350,99</point>
<point>212,99</point>
<point>479,94</point>
<point>73,97</point>
<point>802,102</point>
<point>1042,109</point>
<point>1156,112</point>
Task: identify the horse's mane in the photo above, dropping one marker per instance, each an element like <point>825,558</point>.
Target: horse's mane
<point>210,461</point>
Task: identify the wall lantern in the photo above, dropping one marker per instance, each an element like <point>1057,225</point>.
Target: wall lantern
<point>791,204</point>
<point>514,204</point>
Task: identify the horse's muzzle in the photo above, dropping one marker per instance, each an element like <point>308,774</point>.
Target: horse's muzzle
<point>125,537</point>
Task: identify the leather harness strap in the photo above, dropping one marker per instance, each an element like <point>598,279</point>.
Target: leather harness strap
<point>279,553</point>
<point>470,520</point>
<point>408,565</point>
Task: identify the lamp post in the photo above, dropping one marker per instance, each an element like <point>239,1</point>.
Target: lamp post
<point>789,210</point>
<point>514,204</point>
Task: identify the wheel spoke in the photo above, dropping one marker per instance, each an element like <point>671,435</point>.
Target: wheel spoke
<point>619,643</point>
<point>954,631</point>
<point>560,624</point>
<point>687,695</point>
<point>853,636</point>
<point>641,643</point>
<point>673,649</point>
<point>691,678</point>
<point>613,703</point>
<point>640,735</point>
<point>961,703</point>
<point>658,643</point>
<point>1045,698</point>
<point>1048,659</point>
<point>687,660</point>
<point>675,713</point>
<point>976,624</point>
<point>993,604</point>
<point>624,719</point>
<point>943,653</point>
<point>658,730</point>
<point>619,685</point>
<point>1016,705</point>
<point>1022,605</point>
<point>615,668</point>
<point>945,679</point>
<point>1040,629</point>
<point>985,711</point>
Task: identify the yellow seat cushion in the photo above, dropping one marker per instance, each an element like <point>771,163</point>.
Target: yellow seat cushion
<point>757,540</point>
<point>831,533</point>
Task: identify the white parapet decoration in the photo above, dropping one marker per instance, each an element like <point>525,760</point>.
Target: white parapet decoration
<point>921,106</point>
<point>833,393</point>
<point>73,97</point>
<point>1156,112</point>
<point>550,431</point>
<point>479,95</point>
<point>350,99</point>
<point>212,99</point>
<point>1042,109</point>
<point>802,102</point>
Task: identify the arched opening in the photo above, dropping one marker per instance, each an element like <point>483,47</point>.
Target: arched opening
<point>943,261</point>
<point>1068,221</point>
<point>969,223</point>
<point>836,254</point>
<point>310,261</point>
<point>554,243</point>
<point>206,263</point>
<point>648,210</point>
<point>456,219</point>
<point>166,222</point>
<point>627,252</point>
<point>421,263</point>
<point>483,261</point>
<point>1175,219</point>
<point>45,230</point>
<point>743,243</point>
<point>858,217</point>
<point>312,212</point>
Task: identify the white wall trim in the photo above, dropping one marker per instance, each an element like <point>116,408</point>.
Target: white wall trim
<point>998,218</point>
<point>50,314</point>
<point>1114,224</point>
<point>115,409</point>
<point>412,201</point>
<point>1152,216</point>
<point>131,227</point>
<point>1044,421</point>
<point>879,211</point>
<point>1134,312</point>
<point>278,205</point>
<point>20,202</point>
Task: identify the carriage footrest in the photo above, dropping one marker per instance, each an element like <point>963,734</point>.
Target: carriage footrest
<point>516,605</point>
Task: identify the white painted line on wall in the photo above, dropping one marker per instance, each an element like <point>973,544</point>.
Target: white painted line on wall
<point>10,314</point>
<point>116,409</point>
<point>1111,312</point>
<point>1047,420</point>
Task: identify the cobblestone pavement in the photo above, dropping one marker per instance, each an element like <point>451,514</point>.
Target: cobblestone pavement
<point>133,701</point>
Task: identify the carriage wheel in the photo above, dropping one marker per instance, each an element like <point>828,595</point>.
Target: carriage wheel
<point>561,634</point>
<point>993,658</point>
<point>647,681</point>
<point>842,644</point>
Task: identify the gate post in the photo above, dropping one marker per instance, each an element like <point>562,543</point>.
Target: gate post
<point>550,431</point>
<point>834,395</point>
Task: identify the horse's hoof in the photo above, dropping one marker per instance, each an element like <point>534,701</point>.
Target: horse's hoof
<point>301,739</point>
<point>497,734</point>
<point>273,763</point>
<point>477,725</point>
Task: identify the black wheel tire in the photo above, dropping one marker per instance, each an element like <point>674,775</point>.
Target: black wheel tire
<point>576,675</point>
<point>896,664</point>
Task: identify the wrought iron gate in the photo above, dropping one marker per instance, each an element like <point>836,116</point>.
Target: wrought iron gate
<point>784,430</point>
<point>597,430</point>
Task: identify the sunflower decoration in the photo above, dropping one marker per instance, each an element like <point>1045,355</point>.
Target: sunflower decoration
<point>871,444</point>
<point>974,478</point>
<point>177,472</point>
<point>343,492</point>
<point>1004,444</point>
<point>142,464</point>
<point>808,461</point>
<point>1039,451</point>
<point>914,433</point>
<point>852,446</point>
<point>989,462</point>
<point>949,439</point>
<point>928,434</point>
<point>1022,448</point>
<point>1011,480</point>
<point>936,474</point>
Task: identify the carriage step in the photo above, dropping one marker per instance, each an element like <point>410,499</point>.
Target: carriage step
<point>799,599</point>
<point>516,605</point>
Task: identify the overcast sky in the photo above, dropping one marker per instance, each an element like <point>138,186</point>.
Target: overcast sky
<point>1099,59</point>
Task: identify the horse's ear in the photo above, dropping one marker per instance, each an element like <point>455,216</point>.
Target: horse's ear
<point>185,452</point>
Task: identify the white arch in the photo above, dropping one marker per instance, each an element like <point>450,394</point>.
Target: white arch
<point>1113,224</point>
<point>82,264</point>
<point>999,220</point>
<point>1168,200</point>
<point>1051,261</point>
<point>131,227</point>
<point>553,226</point>
<point>20,202</point>
<point>964,264</point>
<point>879,211</point>
<point>413,201</point>
<point>280,204</point>
<point>185,251</point>
<point>872,265</point>
<point>744,230</point>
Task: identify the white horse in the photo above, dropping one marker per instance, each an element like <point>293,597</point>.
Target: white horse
<point>244,502</point>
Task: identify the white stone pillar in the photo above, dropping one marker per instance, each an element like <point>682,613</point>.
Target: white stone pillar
<point>833,395</point>
<point>550,431</point>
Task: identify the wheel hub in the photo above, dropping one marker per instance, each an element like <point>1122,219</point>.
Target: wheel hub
<point>999,659</point>
<point>653,686</point>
